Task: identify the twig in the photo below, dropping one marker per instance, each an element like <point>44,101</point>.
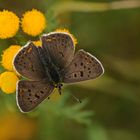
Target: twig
<point>77,6</point>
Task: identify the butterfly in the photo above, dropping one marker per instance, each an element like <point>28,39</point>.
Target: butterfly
<point>48,66</point>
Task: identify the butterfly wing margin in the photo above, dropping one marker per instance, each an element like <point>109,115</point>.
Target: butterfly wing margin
<point>83,67</point>
<point>29,94</point>
<point>27,62</point>
<point>60,47</point>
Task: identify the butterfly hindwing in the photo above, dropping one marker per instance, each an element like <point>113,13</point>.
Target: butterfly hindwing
<point>83,67</point>
<point>28,64</point>
<point>60,47</point>
<point>31,93</point>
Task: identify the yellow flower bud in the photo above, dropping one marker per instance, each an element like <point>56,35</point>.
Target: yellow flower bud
<point>9,24</point>
<point>8,82</point>
<point>8,55</point>
<point>33,22</point>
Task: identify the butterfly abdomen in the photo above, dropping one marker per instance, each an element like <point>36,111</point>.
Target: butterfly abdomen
<point>55,75</point>
<point>51,70</point>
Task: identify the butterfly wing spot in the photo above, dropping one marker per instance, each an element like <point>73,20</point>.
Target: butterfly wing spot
<point>46,88</point>
<point>81,73</point>
<point>37,96</point>
<point>32,68</point>
<point>75,64</point>
<point>29,90</point>
<point>53,35</point>
<point>48,40</point>
<point>82,64</point>
<point>66,37</point>
<point>75,75</point>
<point>29,50</point>
<point>41,92</point>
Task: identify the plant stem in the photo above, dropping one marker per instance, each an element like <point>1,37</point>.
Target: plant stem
<point>77,6</point>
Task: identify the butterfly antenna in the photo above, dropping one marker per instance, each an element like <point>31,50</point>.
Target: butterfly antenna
<point>59,86</point>
<point>77,99</point>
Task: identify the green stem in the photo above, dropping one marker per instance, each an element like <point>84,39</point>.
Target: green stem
<point>77,6</point>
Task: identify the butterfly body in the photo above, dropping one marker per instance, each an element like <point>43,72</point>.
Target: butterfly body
<point>51,71</point>
<point>48,66</point>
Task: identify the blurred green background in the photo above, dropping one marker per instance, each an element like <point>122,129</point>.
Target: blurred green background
<point>111,104</point>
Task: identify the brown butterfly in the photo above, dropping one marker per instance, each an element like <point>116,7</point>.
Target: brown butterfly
<point>50,65</point>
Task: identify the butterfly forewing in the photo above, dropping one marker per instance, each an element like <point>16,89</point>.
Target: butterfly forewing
<point>83,67</point>
<point>28,64</point>
<point>60,48</point>
<point>31,93</point>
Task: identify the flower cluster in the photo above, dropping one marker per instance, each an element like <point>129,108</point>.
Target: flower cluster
<point>9,78</point>
<point>8,81</point>
<point>33,23</point>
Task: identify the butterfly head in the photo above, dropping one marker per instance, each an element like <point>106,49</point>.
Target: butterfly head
<point>59,87</point>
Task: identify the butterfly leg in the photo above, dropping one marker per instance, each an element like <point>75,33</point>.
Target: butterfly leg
<point>59,86</point>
